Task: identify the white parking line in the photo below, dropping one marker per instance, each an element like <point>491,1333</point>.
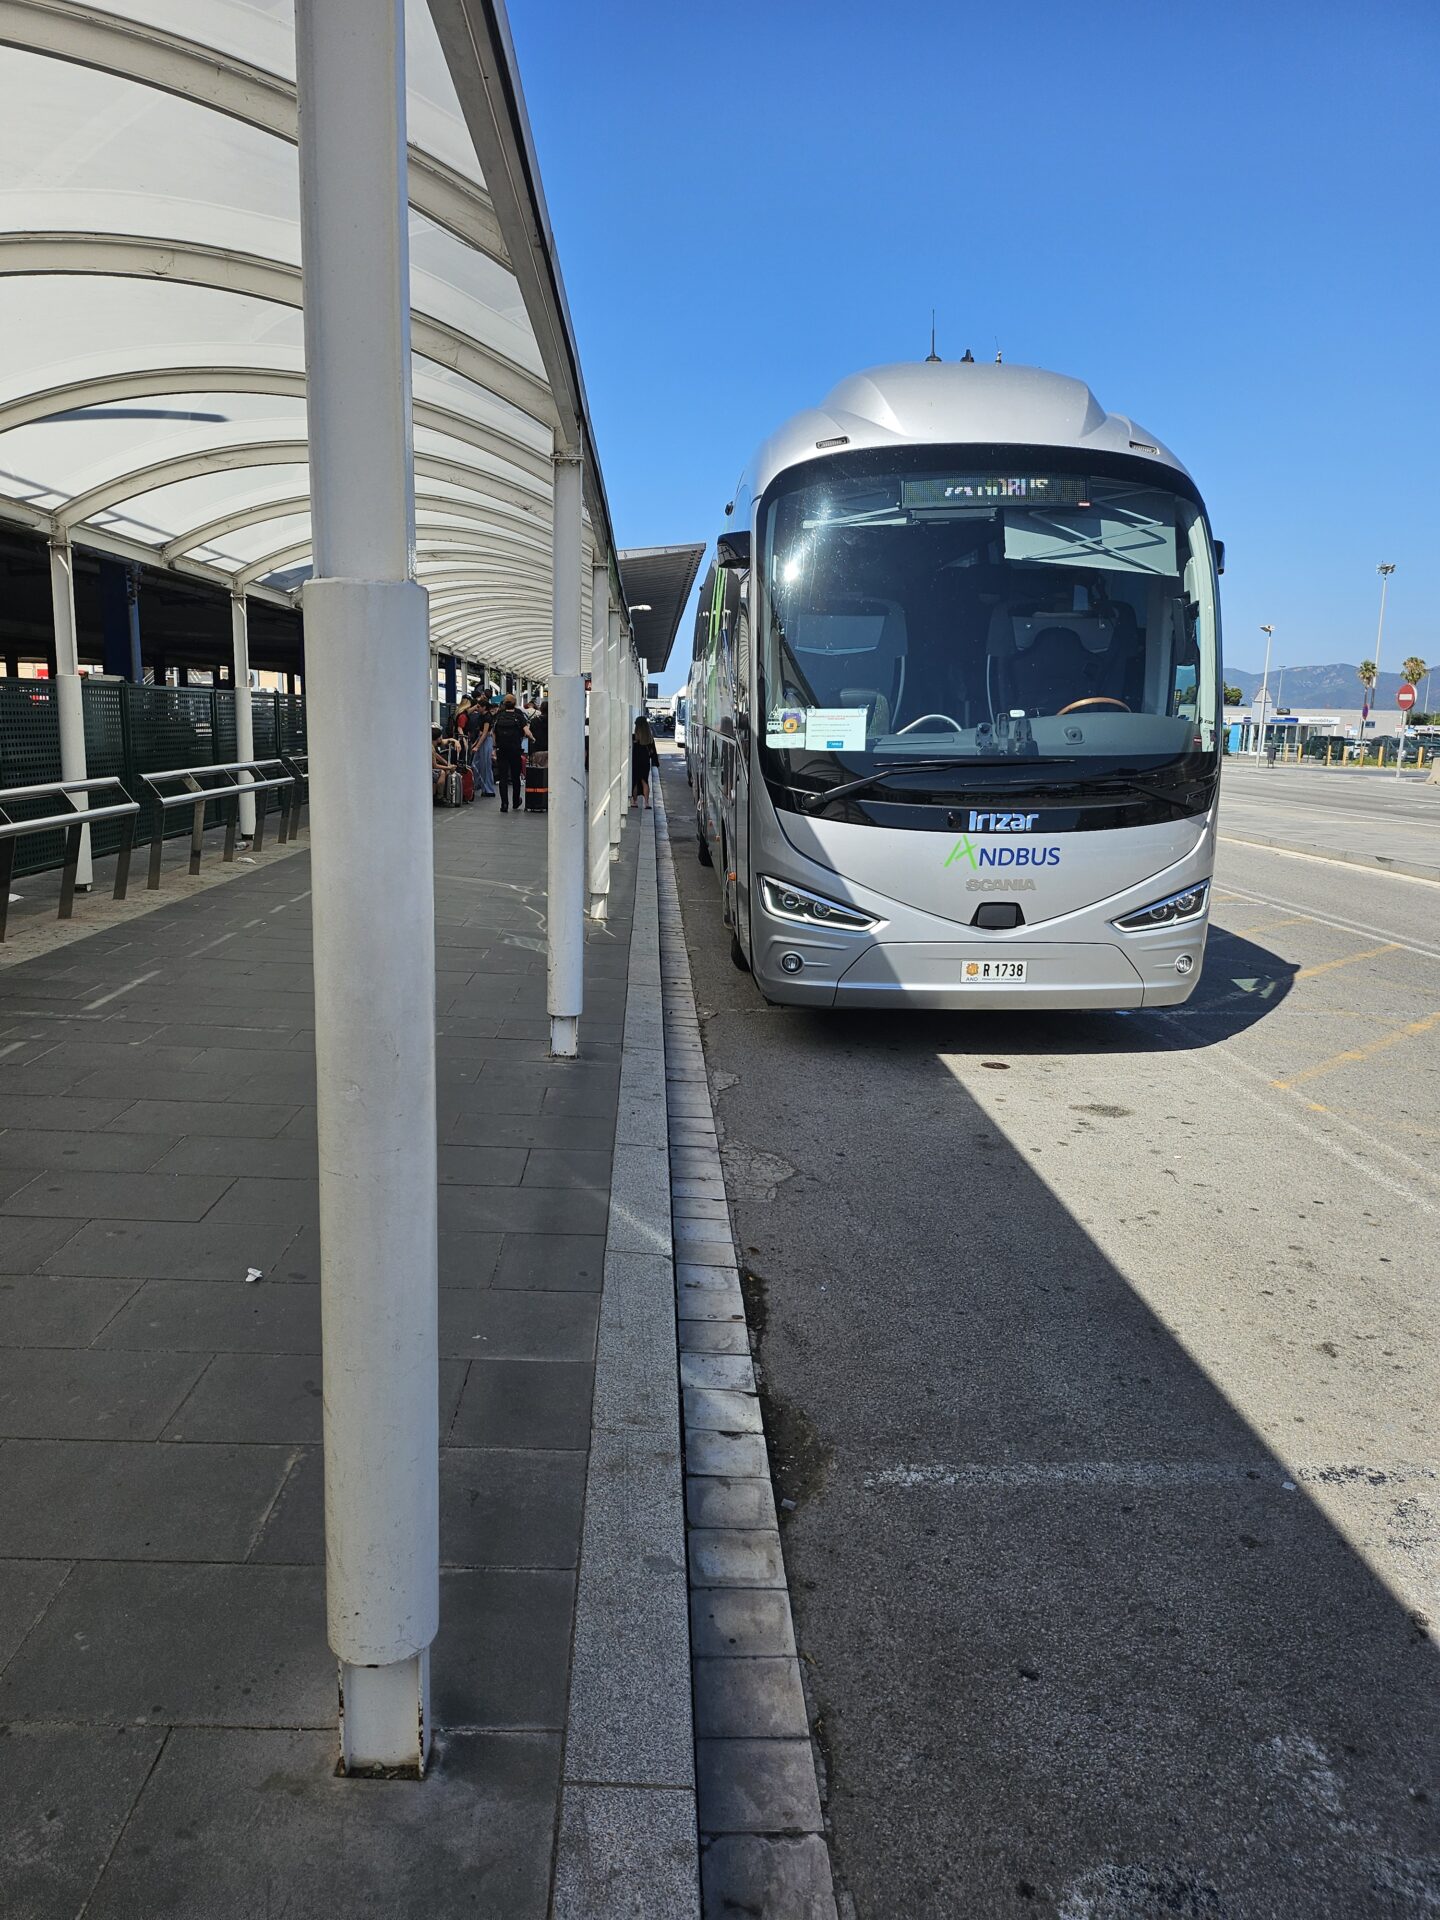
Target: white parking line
<point>1333,920</point>
<point>129,987</point>
<point>1144,1475</point>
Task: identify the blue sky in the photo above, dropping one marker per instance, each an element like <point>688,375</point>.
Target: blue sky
<point>1222,216</point>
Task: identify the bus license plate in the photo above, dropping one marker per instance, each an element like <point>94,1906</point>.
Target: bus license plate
<point>978,973</point>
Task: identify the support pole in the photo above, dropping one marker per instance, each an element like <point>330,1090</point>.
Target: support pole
<point>619,745</point>
<point>601,744</point>
<point>366,625</point>
<point>69,697</point>
<point>244,714</point>
<point>565,820</point>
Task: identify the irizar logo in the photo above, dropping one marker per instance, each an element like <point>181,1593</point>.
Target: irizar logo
<point>1002,822</point>
<point>966,850</point>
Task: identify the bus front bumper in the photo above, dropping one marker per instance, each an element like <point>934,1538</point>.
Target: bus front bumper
<point>929,973</point>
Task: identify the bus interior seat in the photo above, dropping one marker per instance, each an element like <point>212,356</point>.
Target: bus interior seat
<point>861,639</point>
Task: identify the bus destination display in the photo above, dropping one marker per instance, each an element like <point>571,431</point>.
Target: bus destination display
<point>996,489</point>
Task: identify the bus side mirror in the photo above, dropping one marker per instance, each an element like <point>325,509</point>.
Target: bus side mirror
<point>733,549</point>
<point>1219,556</point>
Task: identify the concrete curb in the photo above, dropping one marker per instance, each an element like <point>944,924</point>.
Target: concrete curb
<point>627,1843</point>
<point>1378,862</point>
<point>762,1836</point>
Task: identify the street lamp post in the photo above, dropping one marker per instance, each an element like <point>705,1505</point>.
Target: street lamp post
<point>1385,569</point>
<point>1269,633</point>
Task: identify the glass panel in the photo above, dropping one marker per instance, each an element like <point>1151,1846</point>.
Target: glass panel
<point>946,614</point>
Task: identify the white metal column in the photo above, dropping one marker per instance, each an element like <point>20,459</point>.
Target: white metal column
<point>373,885</point>
<point>619,744</point>
<point>244,714</point>
<point>69,698</point>
<point>565,818</point>
<point>601,744</point>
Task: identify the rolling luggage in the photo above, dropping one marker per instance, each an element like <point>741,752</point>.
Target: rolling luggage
<point>452,789</point>
<point>537,782</point>
<point>468,782</point>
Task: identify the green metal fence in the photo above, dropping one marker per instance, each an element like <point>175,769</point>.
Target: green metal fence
<point>131,731</point>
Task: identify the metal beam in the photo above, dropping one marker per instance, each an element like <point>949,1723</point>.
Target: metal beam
<point>191,263</point>
<point>147,383</point>
<point>86,36</point>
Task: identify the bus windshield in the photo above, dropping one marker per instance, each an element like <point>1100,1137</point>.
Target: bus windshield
<point>964,612</point>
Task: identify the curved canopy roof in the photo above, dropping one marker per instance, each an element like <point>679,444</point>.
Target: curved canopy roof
<point>152,388</point>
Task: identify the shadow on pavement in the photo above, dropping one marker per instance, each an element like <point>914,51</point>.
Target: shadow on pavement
<point>1079,1643</point>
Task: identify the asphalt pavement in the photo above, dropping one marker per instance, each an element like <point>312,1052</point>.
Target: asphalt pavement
<point>1354,816</point>
<point>1099,1361</point>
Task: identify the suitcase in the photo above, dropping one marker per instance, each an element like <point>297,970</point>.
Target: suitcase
<point>452,789</point>
<point>537,783</point>
<point>468,782</point>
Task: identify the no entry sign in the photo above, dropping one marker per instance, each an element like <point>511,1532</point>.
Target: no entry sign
<point>1405,698</point>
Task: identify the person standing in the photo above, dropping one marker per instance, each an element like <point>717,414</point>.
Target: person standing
<point>643,756</point>
<point>511,733</point>
<point>483,721</point>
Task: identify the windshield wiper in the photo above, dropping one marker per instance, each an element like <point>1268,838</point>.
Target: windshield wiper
<point>813,802</point>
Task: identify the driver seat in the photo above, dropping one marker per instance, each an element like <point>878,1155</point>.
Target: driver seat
<point>1053,671</point>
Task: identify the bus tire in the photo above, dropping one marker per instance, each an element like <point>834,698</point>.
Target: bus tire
<point>738,955</point>
<point>702,847</point>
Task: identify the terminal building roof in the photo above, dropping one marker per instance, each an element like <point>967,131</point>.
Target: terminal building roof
<point>152,389</point>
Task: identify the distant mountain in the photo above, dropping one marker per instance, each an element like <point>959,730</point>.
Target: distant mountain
<point>1334,686</point>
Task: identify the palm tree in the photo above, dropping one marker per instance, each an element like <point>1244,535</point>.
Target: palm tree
<point>1368,674</point>
<point>1414,669</point>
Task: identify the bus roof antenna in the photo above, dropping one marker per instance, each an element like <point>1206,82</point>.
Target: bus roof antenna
<point>932,357</point>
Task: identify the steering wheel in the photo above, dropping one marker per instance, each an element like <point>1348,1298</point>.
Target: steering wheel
<point>933,716</point>
<point>1096,700</point>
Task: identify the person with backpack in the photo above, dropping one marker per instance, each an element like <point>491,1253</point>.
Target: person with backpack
<point>511,733</point>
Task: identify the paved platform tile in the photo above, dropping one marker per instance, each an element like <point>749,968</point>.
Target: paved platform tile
<point>768,1874</point>
<point>551,1262</point>
<point>750,1698</point>
<point>131,1500</point>
<point>47,1310</point>
<point>65,1793</point>
<point>26,1588</point>
<point>117,1196</point>
<point>168,1250</point>
<point>273,1398</point>
<point>480,1829</point>
<point>152,1645</point>
<point>740,1621</point>
<point>524,1403</point>
<point>100,1152</point>
<point>51,1393</point>
<point>183,1317</point>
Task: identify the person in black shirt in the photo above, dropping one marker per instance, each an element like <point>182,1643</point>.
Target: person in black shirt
<point>511,732</point>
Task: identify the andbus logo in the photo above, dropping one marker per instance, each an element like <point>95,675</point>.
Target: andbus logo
<point>1024,855</point>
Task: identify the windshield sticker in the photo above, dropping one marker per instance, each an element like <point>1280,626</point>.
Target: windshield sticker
<point>835,729</point>
<point>785,727</point>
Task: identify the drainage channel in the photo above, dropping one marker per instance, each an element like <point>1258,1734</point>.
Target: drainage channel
<point>762,1845</point>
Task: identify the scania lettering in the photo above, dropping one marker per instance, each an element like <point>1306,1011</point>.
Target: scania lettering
<point>961,638</point>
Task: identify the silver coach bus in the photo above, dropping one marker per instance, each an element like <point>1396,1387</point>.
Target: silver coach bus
<point>955,700</point>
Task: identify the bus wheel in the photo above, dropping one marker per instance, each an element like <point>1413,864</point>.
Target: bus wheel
<point>737,954</point>
<point>702,847</point>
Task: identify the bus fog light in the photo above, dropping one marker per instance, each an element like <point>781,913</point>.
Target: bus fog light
<point>1185,963</point>
<point>790,963</point>
<point>1175,907</point>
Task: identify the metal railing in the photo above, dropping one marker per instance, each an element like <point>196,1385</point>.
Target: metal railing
<point>297,764</point>
<point>71,820</point>
<point>229,783</point>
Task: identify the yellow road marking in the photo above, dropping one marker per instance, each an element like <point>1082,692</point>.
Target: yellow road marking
<point>1328,966</point>
<point>1269,926</point>
<point>1355,1054</point>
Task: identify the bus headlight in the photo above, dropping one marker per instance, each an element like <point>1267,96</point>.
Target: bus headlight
<point>1169,912</point>
<point>806,909</point>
